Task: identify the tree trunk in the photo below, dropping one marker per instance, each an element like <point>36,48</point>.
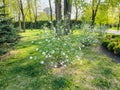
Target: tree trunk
<point>67,16</point>
<point>4,7</point>
<point>50,10</point>
<point>58,10</point>
<point>94,11</point>
<point>93,18</point>
<point>76,8</point>
<point>23,15</point>
<point>19,20</point>
<point>118,23</point>
<point>29,7</point>
<point>58,16</point>
<point>35,13</point>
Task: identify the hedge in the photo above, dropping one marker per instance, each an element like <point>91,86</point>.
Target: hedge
<point>40,24</point>
<point>112,43</point>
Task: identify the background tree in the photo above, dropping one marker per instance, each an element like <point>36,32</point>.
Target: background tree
<point>67,15</point>
<point>35,12</point>
<point>58,13</point>
<point>51,17</point>
<point>8,34</point>
<point>20,5</point>
<point>95,6</point>
<point>29,4</point>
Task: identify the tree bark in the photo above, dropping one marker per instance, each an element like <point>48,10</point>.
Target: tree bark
<point>58,9</point>
<point>4,7</point>
<point>67,16</point>
<point>94,11</point>
<point>34,11</point>
<point>58,16</point>
<point>22,12</point>
<point>50,10</point>
<point>76,13</point>
<point>118,23</point>
<point>30,15</point>
<point>19,20</point>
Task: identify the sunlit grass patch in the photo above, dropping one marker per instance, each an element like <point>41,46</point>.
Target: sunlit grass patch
<point>27,67</point>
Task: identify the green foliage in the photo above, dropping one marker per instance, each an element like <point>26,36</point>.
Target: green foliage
<point>112,43</point>
<point>101,82</point>
<point>117,49</point>
<point>61,83</point>
<point>8,34</point>
<point>40,24</point>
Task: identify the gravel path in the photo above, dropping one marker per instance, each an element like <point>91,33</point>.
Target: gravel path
<point>117,32</point>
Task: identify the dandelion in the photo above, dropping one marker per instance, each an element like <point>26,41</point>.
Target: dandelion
<point>62,63</point>
<point>67,60</point>
<point>77,57</point>
<point>55,66</point>
<point>49,56</point>
<point>46,40</point>
<point>66,56</point>
<point>79,48</point>
<point>81,62</point>
<point>53,38</point>
<point>58,38</point>
<point>65,44</point>
<point>43,53</point>
<point>65,65</point>
<point>39,42</point>
<point>63,54</point>
<point>46,56</point>
<point>52,63</point>
<point>83,45</point>
<point>42,62</point>
<point>32,42</point>
<point>54,29</point>
<point>37,49</point>
<point>50,22</point>
<point>30,57</point>
<point>53,51</point>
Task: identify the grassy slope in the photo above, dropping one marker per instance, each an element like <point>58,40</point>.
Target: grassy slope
<point>94,71</point>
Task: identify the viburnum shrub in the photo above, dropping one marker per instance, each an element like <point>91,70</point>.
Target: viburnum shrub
<point>57,51</point>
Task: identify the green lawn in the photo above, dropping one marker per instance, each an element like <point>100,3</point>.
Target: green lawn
<point>23,70</point>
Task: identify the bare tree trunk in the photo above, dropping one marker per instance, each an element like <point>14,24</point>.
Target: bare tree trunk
<point>58,16</point>
<point>29,7</point>
<point>67,16</point>
<point>22,12</point>
<point>34,9</point>
<point>4,6</point>
<point>19,20</point>
<point>76,8</point>
<point>118,23</point>
<point>50,10</point>
<point>58,9</point>
<point>94,12</point>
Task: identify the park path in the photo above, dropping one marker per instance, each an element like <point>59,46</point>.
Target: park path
<point>109,54</point>
<point>116,32</point>
<point>102,49</point>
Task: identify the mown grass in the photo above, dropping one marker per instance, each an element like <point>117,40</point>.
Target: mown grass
<point>94,70</point>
